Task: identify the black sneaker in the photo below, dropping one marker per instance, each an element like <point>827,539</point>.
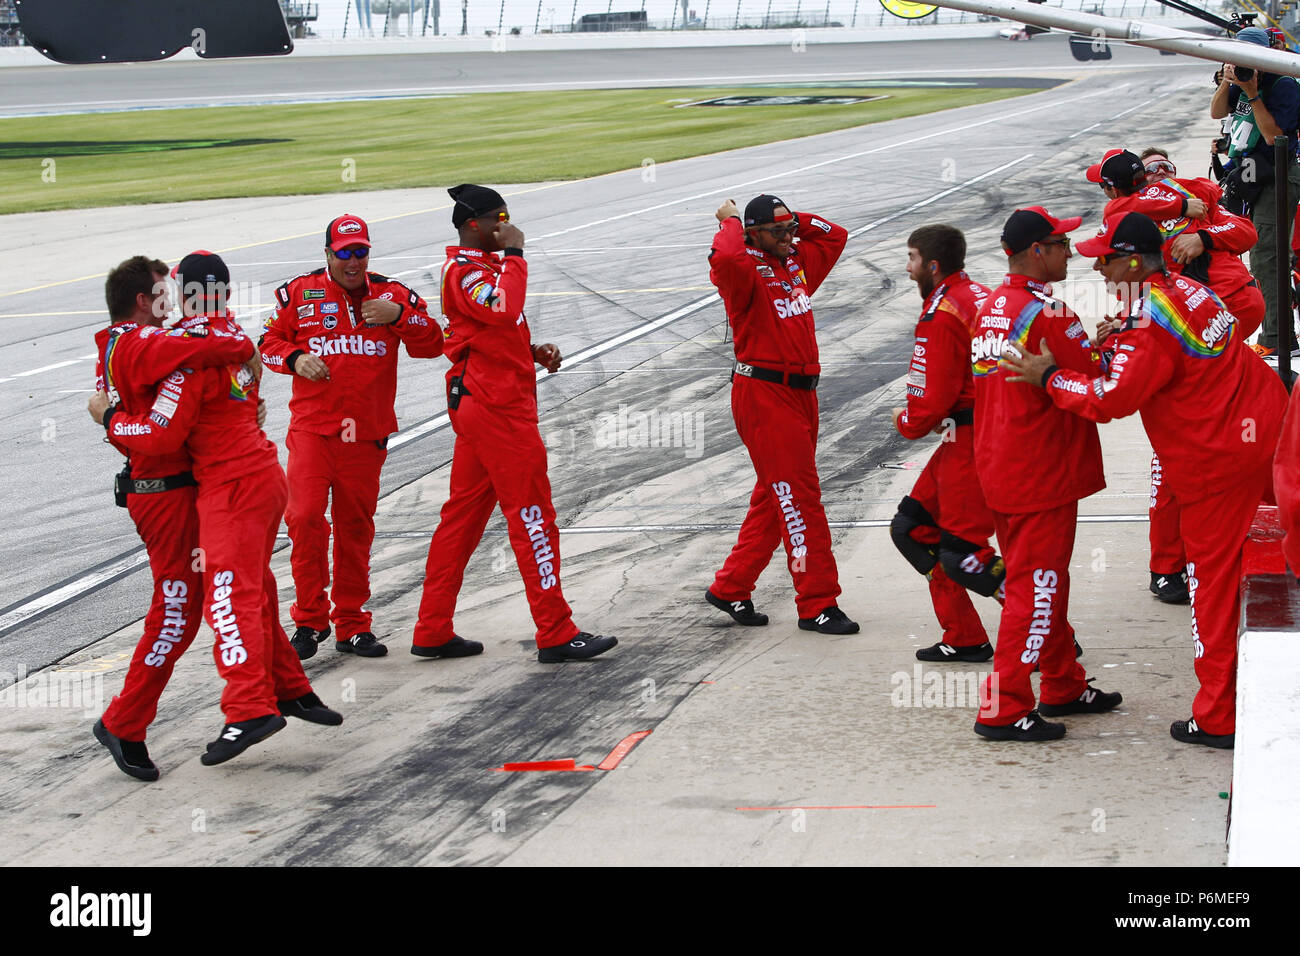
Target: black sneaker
<point>742,612</point>
<point>310,708</point>
<point>582,647</point>
<point>1089,702</point>
<point>363,645</point>
<point>830,621</point>
<point>306,639</point>
<point>1187,732</point>
<point>1170,588</point>
<point>1030,727</point>
<point>456,647</point>
<point>946,652</point>
<point>131,756</point>
<point>238,737</point>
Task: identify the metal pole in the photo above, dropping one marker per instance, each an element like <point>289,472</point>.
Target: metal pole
<point>854,22</point>
<point>705,24</point>
<point>346,13</point>
<point>1283,315</point>
<point>538,22</point>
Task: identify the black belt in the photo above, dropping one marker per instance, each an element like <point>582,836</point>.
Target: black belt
<point>151,486</point>
<point>124,484</point>
<point>963,416</point>
<point>794,380</point>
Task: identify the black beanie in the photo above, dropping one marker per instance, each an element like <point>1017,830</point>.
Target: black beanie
<point>472,201</point>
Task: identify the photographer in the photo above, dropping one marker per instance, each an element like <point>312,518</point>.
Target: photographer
<point>1261,106</point>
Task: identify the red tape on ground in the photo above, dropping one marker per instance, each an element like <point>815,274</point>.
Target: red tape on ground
<point>624,747</point>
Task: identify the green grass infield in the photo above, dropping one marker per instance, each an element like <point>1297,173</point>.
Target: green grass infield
<point>63,162</point>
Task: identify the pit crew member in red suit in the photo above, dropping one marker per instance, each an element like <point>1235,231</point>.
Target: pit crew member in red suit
<point>337,331</point>
<point>765,269</point>
<point>499,455</point>
<point>1213,411</point>
<point>241,497</point>
<point>1203,241</point>
<point>942,528</point>
<point>135,354</point>
<point>1034,462</point>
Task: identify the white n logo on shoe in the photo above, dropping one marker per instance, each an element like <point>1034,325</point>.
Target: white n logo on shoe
<point>738,605</point>
<point>231,734</point>
<point>1024,723</point>
<point>822,618</point>
<point>947,649</point>
<point>1088,696</point>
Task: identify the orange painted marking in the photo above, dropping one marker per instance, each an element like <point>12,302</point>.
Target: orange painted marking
<point>708,682</point>
<point>905,806</point>
<point>624,747</point>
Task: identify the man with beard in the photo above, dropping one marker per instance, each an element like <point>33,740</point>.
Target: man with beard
<point>942,528</point>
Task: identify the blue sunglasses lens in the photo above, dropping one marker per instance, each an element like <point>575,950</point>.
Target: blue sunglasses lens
<point>353,253</point>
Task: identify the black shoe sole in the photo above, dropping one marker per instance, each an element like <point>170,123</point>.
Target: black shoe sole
<point>558,655</point>
<point>464,649</point>
<point>312,715</point>
<point>114,746</point>
<point>1075,707</point>
<point>754,620</point>
<point>1180,598</point>
<point>219,751</point>
<point>964,655</point>
<point>378,650</point>
<point>810,624</point>
<point>1217,741</point>
<point>1041,734</point>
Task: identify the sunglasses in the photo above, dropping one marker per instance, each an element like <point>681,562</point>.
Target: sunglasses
<point>1161,166</point>
<point>360,253</point>
<point>502,216</point>
<point>780,232</point>
<point>1056,242</point>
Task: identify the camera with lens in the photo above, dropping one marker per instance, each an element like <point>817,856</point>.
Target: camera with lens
<point>1221,144</point>
<point>1245,73</point>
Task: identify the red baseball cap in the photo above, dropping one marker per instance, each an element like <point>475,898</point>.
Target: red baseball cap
<point>1129,233</point>
<point>1033,224</point>
<point>346,231</point>
<point>1118,168</point>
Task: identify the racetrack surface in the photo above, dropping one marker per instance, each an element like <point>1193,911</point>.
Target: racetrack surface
<point>34,90</point>
<point>618,260</point>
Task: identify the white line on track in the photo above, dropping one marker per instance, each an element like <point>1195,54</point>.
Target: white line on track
<point>1111,119</point>
<point>949,131</point>
<point>72,589</point>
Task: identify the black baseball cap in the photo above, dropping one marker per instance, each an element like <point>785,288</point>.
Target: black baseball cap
<point>472,201</point>
<point>201,268</point>
<point>762,210</point>
<point>1033,224</point>
<point>1130,233</point>
<point>1119,169</point>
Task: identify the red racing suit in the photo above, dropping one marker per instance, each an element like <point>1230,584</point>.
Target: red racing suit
<point>1226,238</point>
<point>1213,411</point>
<point>767,304</point>
<point>241,498</point>
<point>338,432</point>
<point>953,514</point>
<point>499,456</point>
<point>1034,462</point>
<point>1286,483</point>
<point>133,359</point>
